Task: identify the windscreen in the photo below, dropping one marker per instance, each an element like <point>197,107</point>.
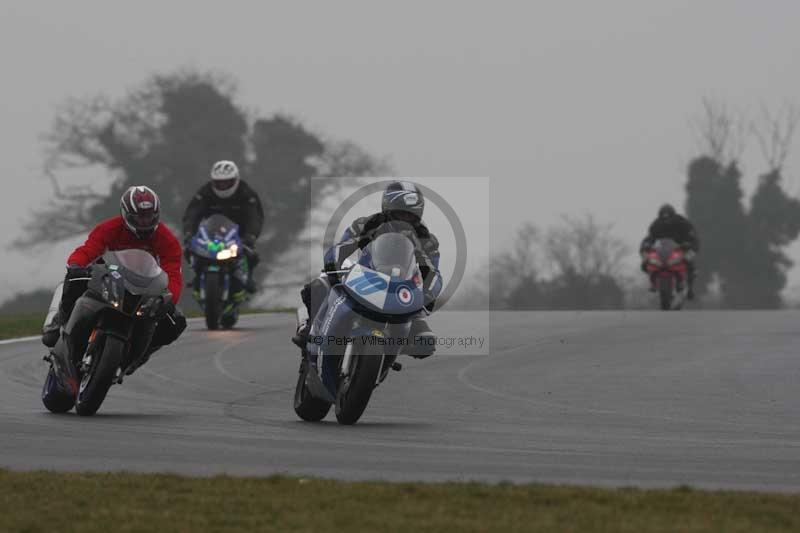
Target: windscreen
<point>139,262</point>
<point>218,225</point>
<point>393,255</point>
<point>664,247</point>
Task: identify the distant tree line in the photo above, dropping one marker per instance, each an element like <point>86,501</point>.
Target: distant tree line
<point>743,240</point>
<point>167,133</point>
<point>578,263</point>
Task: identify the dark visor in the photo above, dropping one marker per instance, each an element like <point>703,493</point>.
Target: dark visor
<point>143,220</point>
<point>224,185</point>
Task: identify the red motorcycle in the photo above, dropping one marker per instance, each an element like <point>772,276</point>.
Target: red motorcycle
<point>666,265</point>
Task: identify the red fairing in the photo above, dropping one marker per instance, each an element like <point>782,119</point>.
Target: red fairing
<point>112,235</point>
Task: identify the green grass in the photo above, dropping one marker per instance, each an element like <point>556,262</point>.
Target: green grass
<point>41,501</point>
<point>12,326</point>
<point>24,325</point>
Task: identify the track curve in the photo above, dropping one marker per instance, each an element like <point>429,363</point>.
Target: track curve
<point>638,398</point>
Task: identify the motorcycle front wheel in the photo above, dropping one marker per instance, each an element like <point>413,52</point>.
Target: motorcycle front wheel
<point>213,302</point>
<point>101,374</point>
<point>665,293</point>
<point>355,389</point>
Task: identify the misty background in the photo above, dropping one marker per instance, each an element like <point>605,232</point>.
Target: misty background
<point>569,109</point>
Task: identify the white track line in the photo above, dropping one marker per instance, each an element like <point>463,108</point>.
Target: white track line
<point>189,320</point>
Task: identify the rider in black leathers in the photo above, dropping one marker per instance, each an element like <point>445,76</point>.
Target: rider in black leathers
<point>401,210</point>
<point>227,194</point>
<point>671,225</point>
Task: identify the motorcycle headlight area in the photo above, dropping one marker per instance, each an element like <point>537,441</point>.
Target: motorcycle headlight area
<point>150,306</point>
<point>112,293</point>
<point>654,261</point>
<point>675,259</point>
<point>228,253</point>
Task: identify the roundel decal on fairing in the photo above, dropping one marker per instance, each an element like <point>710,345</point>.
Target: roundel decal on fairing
<point>405,296</point>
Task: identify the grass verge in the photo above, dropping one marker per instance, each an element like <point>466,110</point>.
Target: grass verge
<point>43,501</point>
<point>12,326</point>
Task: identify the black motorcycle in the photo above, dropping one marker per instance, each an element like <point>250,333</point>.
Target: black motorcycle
<point>108,333</point>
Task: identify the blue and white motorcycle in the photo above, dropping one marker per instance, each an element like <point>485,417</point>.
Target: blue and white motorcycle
<point>360,330</point>
<point>221,269</point>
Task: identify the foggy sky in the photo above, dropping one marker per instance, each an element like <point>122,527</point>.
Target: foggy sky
<point>566,106</point>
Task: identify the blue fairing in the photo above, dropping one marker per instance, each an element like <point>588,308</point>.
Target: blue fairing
<point>214,234</point>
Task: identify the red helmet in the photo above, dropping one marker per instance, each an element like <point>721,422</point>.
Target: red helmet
<point>140,210</point>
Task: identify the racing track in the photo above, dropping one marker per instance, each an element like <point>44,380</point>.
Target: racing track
<point>709,399</point>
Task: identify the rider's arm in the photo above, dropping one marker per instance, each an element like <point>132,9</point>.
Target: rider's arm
<point>354,237</point>
<point>338,252</point>
<point>252,217</point>
<point>168,250</point>
<point>428,260</point>
<point>194,212</point>
<point>95,245</point>
<point>647,242</point>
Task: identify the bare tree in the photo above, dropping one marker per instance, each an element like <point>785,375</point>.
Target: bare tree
<point>722,132</point>
<point>584,247</point>
<point>775,133</point>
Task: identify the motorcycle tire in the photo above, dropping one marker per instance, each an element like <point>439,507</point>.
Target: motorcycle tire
<point>356,388</point>
<point>213,301</point>
<point>96,382</point>
<point>665,293</point>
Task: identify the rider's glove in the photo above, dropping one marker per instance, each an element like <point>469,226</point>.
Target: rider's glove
<point>77,271</point>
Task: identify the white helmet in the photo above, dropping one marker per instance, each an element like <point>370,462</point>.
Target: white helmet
<point>224,178</point>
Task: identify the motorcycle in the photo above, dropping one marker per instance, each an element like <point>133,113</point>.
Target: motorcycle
<point>108,331</point>
<point>379,292</point>
<point>666,264</point>
<point>216,256</point>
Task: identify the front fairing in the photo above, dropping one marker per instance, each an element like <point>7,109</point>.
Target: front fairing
<point>217,240</point>
<point>389,295</point>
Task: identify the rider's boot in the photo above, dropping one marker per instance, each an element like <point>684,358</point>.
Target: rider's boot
<point>423,339</point>
<point>300,337</point>
<point>690,283</point>
<point>250,285</point>
<point>52,330</point>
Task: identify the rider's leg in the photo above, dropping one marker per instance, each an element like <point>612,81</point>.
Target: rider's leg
<point>422,338</point>
<point>70,290</point>
<point>166,331</point>
<point>250,265</point>
<point>691,272</point>
<point>313,295</point>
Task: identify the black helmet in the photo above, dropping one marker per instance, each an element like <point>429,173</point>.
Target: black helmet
<point>666,211</point>
<point>403,196</point>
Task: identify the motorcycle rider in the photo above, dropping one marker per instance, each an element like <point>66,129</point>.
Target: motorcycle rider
<point>402,206</point>
<point>670,225</point>
<point>137,226</point>
<point>229,195</point>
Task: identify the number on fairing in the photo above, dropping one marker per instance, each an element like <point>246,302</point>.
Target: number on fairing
<point>368,283</point>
